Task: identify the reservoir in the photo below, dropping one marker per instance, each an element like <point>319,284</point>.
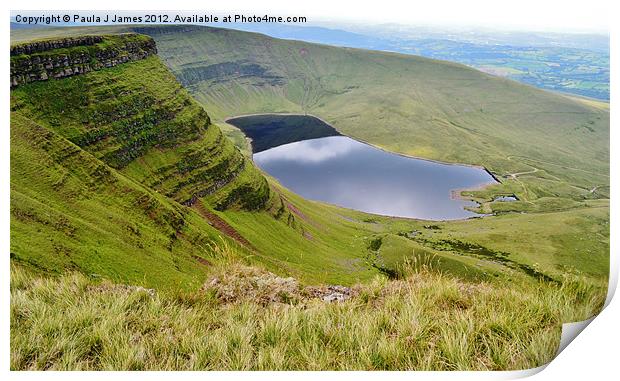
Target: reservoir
<point>345,172</point>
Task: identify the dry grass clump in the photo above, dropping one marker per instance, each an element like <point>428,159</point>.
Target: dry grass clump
<point>251,283</point>
<point>237,283</point>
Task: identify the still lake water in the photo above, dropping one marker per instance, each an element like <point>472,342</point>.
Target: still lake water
<point>348,173</point>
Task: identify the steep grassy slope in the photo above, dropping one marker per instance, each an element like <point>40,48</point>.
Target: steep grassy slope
<point>133,123</point>
<point>71,211</point>
<point>101,161</point>
<point>323,243</point>
<point>136,118</point>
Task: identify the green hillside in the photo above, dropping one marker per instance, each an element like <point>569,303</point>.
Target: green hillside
<point>319,242</point>
<point>124,170</point>
<point>77,144</point>
<point>407,104</point>
<point>138,111</point>
<point>71,211</point>
<point>135,123</point>
<point>550,150</point>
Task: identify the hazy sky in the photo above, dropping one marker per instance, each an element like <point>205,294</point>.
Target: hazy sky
<point>552,15</point>
<point>567,15</point>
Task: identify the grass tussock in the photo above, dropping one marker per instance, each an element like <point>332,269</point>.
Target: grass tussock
<point>424,321</point>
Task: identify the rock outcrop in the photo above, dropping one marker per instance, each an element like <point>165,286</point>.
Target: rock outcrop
<point>42,60</point>
<point>43,46</point>
<point>244,283</point>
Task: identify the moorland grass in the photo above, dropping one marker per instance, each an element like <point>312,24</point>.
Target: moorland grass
<point>424,321</point>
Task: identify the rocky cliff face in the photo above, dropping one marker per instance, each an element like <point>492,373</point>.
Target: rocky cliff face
<point>40,61</point>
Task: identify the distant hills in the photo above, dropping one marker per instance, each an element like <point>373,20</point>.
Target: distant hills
<point>572,63</point>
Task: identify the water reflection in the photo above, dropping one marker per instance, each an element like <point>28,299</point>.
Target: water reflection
<point>311,151</point>
<point>506,198</point>
<point>345,172</point>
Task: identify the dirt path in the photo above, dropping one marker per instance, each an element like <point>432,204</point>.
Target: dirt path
<point>555,164</point>
<point>296,211</point>
<point>514,175</point>
<point>221,225</point>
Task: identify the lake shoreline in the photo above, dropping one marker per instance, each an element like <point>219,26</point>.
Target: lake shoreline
<point>455,193</point>
<point>365,142</point>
